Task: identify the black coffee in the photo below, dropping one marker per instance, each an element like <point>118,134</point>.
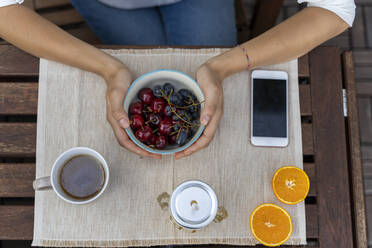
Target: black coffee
<point>82,177</point>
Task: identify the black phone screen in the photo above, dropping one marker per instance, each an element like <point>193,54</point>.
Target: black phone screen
<point>269,108</point>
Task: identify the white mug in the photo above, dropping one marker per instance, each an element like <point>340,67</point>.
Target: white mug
<point>52,181</point>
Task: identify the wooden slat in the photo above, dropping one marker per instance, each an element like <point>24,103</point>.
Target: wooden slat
<point>305,100</point>
<point>367,186</point>
<point>83,32</point>
<point>358,31</point>
<point>310,171</point>
<point>354,152</point>
<point>265,16</point>
<point>341,40</point>
<point>367,169</point>
<point>312,227</point>
<point>364,89</point>
<point>18,98</point>
<point>29,4</point>
<point>365,118</point>
<point>368,23</point>
<point>307,139</point>
<point>16,180</point>
<point>362,57</point>
<point>64,17</point>
<point>291,10</point>
<point>362,2</point>
<point>303,66</point>
<point>363,73</point>
<point>16,222</point>
<point>16,63</point>
<point>240,14</point>
<point>15,243</point>
<point>333,195</point>
<point>369,217</point>
<point>17,139</point>
<point>281,16</point>
<point>241,20</point>
<point>366,151</point>
<point>41,4</point>
<point>290,3</point>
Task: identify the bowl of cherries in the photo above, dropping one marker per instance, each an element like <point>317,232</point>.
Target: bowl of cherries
<point>164,111</point>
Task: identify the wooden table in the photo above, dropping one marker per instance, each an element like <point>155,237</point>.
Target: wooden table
<point>335,214</point>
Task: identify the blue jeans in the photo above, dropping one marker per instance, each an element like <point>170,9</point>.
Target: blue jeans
<point>189,22</point>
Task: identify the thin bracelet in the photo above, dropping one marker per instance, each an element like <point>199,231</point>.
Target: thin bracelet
<point>246,55</point>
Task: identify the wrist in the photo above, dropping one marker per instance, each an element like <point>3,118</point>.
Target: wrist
<point>229,63</point>
<point>111,68</point>
<point>217,65</point>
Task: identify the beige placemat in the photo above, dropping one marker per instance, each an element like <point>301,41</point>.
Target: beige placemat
<point>71,112</point>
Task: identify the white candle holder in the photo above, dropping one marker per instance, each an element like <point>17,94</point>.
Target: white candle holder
<point>193,205</point>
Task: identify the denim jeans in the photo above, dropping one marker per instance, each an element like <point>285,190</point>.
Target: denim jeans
<point>189,22</point>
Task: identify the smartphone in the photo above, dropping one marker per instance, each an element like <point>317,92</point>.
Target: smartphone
<point>269,108</point>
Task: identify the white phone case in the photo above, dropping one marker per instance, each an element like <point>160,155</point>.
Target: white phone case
<point>269,141</point>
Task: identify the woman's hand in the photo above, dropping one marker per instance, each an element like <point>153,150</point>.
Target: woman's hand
<point>210,81</point>
<point>117,86</point>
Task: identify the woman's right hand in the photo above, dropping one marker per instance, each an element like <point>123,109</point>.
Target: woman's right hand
<point>117,86</point>
<point>210,80</point>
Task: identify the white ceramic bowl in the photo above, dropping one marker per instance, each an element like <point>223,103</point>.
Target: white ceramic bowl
<point>180,80</point>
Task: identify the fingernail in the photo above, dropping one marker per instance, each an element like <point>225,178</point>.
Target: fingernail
<point>124,123</point>
<point>205,120</point>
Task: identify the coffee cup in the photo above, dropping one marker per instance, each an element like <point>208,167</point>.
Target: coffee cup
<point>79,175</point>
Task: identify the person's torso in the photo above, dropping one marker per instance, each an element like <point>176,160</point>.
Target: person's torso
<point>135,4</point>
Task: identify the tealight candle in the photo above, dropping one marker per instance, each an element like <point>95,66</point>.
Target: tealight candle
<point>193,205</point>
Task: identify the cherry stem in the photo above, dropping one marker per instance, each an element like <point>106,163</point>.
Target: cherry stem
<point>173,111</point>
<point>188,106</point>
<point>179,131</point>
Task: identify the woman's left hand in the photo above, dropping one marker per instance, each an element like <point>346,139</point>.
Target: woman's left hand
<point>210,82</point>
<point>117,86</point>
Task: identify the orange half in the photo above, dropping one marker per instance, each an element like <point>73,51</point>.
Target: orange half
<point>290,184</point>
<point>270,224</point>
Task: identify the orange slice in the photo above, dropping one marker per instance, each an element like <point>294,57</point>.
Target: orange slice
<point>270,224</point>
<point>290,185</point>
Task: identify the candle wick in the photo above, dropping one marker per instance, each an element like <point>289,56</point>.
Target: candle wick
<point>194,205</point>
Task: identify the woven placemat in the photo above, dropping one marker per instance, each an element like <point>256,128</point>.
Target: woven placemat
<point>133,211</point>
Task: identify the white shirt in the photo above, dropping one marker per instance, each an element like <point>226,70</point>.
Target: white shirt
<point>343,8</point>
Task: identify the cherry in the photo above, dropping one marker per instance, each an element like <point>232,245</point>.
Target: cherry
<point>161,142</point>
<point>157,105</point>
<point>174,122</point>
<point>137,121</point>
<point>165,126</point>
<point>152,139</point>
<point>154,118</point>
<point>172,139</point>
<point>144,133</point>
<point>146,95</point>
<point>136,108</point>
